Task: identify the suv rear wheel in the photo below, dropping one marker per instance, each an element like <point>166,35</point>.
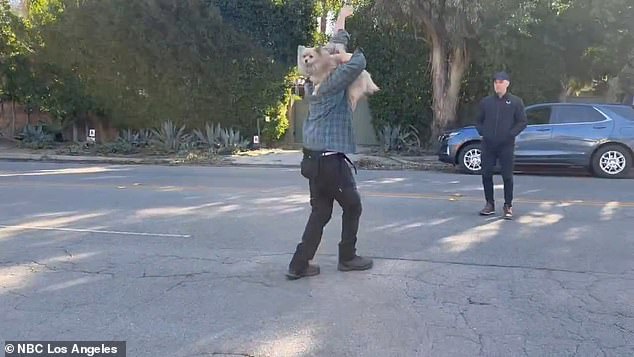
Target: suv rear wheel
<point>611,161</point>
<point>470,159</point>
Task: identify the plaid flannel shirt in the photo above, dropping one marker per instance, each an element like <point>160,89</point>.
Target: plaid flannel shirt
<point>329,123</point>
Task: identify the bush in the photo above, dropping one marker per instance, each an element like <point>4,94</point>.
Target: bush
<point>277,121</point>
<point>177,59</point>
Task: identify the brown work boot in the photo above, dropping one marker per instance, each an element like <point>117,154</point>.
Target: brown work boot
<point>356,263</point>
<point>508,212</point>
<point>488,209</point>
<point>310,270</point>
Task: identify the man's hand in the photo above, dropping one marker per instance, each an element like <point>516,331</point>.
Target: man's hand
<point>346,11</point>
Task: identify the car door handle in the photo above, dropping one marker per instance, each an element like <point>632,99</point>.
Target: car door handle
<point>544,129</point>
<point>599,126</point>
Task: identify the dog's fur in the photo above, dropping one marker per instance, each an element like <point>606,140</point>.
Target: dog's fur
<point>317,64</point>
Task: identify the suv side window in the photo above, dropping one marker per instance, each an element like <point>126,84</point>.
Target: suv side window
<point>575,114</point>
<point>537,116</point>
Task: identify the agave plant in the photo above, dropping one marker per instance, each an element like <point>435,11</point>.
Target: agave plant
<point>211,137</point>
<point>128,136</point>
<point>169,137</point>
<point>145,137</point>
<point>389,137</point>
<point>397,138</point>
<point>232,138</point>
<point>36,137</point>
<point>231,141</point>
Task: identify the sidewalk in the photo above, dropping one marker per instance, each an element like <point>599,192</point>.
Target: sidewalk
<point>292,158</point>
<point>258,158</point>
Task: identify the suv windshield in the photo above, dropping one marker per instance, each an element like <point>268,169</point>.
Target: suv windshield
<point>624,111</point>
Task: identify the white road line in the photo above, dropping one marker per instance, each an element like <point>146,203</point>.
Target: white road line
<point>96,231</point>
<point>102,177</point>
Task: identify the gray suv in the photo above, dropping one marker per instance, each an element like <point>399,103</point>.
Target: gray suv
<point>599,137</point>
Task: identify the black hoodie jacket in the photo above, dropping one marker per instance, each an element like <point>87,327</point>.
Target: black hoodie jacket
<point>501,119</point>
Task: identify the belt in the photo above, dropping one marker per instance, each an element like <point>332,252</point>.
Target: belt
<point>330,153</point>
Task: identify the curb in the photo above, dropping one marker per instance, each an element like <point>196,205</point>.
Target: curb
<point>401,161</point>
<point>404,164</point>
<point>81,159</point>
<point>129,160</point>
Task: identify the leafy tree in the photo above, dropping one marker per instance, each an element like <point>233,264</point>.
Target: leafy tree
<point>13,49</point>
<point>564,44</point>
<point>551,47</point>
<point>450,28</point>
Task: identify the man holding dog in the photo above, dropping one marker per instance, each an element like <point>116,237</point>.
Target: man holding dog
<point>501,119</point>
<point>328,137</point>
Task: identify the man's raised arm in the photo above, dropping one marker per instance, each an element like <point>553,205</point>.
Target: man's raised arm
<point>341,36</point>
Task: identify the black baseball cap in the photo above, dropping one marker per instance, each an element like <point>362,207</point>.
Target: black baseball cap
<point>501,76</point>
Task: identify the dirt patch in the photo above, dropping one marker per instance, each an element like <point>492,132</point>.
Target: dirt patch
<point>6,143</point>
<point>392,163</point>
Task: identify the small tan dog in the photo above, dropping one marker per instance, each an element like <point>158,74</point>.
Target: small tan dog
<point>317,64</point>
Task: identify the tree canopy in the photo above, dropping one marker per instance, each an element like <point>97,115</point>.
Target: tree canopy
<point>139,63</point>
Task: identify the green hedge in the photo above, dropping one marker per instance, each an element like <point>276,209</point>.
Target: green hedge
<point>398,62</point>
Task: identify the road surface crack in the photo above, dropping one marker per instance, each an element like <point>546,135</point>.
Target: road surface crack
<point>179,275</point>
<point>473,302</point>
<point>73,269</point>
<point>215,260</point>
<point>51,268</point>
<point>503,266</point>
<point>15,293</point>
<point>475,331</point>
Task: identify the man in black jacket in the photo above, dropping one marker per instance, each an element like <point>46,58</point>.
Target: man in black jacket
<point>501,119</point>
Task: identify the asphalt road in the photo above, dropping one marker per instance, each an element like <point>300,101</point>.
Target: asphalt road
<point>190,261</point>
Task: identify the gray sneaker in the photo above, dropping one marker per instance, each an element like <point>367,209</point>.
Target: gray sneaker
<point>356,263</point>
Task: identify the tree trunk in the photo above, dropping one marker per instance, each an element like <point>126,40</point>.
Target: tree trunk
<point>1,110</point>
<point>75,138</point>
<point>614,94</point>
<point>13,118</point>
<point>449,65</point>
<point>566,91</point>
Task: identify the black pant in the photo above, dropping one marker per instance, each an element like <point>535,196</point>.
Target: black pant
<point>330,178</point>
<point>505,154</point>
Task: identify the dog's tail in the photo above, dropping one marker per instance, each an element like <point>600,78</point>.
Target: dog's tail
<point>372,88</point>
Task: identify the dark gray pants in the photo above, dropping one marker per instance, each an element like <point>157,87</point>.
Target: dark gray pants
<point>329,179</point>
<point>491,154</point>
